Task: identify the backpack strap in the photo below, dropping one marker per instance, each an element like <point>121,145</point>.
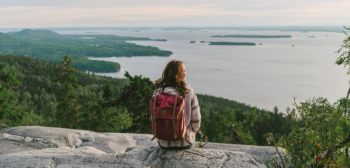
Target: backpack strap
<point>187,139</point>
<point>154,117</point>
<point>174,118</point>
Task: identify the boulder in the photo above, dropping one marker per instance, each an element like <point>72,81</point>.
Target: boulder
<point>34,137</point>
<point>33,146</point>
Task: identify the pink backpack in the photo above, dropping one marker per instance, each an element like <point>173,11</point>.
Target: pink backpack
<point>168,117</point>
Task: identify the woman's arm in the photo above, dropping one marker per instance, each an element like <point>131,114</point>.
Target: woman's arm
<point>195,113</point>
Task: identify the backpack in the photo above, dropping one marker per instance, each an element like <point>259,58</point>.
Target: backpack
<point>168,117</point>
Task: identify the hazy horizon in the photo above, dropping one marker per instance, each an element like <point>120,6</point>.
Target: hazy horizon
<point>181,13</point>
<point>338,29</point>
<point>257,26</point>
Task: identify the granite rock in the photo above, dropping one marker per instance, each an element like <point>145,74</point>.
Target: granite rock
<point>34,146</point>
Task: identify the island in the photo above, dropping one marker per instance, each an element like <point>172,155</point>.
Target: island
<point>252,36</point>
<point>232,43</point>
<point>160,40</point>
<point>50,46</point>
<point>192,41</point>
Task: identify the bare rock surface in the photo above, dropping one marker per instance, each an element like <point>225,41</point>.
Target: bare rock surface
<point>33,146</point>
<point>35,137</point>
<point>261,153</point>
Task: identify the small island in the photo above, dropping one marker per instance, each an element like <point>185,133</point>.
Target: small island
<point>232,43</point>
<point>253,36</point>
<point>160,40</point>
<point>192,41</point>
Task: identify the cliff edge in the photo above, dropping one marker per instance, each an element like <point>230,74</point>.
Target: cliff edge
<point>34,146</point>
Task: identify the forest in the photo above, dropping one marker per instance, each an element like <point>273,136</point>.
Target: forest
<point>50,46</point>
<point>96,97</point>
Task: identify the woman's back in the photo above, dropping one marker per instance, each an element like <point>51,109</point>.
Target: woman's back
<point>173,82</point>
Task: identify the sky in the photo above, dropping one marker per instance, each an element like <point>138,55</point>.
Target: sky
<point>169,13</point>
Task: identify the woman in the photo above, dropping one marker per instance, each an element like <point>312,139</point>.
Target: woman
<point>173,82</point>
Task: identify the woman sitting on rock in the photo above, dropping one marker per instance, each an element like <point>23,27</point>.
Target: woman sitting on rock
<point>173,82</point>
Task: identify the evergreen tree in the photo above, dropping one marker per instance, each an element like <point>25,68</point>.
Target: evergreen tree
<point>135,98</point>
<point>8,96</point>
<point>107,92</point>
<point>101,115</point>
<point>225,127</point>
<point>67,108</point>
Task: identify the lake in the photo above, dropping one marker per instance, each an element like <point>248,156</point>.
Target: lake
<point>267,75</point>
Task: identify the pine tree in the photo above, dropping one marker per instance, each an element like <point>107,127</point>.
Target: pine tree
<point>107,92</point>
<point>101,115</point>
<point>135,98</point>
<point>67,110</point>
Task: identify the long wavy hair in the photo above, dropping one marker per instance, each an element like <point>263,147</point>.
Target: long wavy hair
<point>171,78</point>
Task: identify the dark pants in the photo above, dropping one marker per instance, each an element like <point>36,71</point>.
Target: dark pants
<point>180,148</point>
<point>185,147</point>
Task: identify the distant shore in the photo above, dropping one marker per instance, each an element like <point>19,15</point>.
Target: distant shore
<point>232,43</point>
<point>252,36</point>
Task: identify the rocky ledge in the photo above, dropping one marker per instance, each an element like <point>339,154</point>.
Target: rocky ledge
<point>33,146</point>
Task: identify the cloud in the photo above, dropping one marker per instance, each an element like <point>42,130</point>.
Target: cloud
<point>38,13</point>
<point>122,13</point>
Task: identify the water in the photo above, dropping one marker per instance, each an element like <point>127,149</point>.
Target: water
<point>267,75</point>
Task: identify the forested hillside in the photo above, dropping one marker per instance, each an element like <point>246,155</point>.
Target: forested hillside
<point>37,96</point>
<point>110,104</point>
<point>50,46</point>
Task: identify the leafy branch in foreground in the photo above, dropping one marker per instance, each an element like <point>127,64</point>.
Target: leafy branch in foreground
<point>321,138</point>
<point>270,140</point>
<point>344,51</point>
